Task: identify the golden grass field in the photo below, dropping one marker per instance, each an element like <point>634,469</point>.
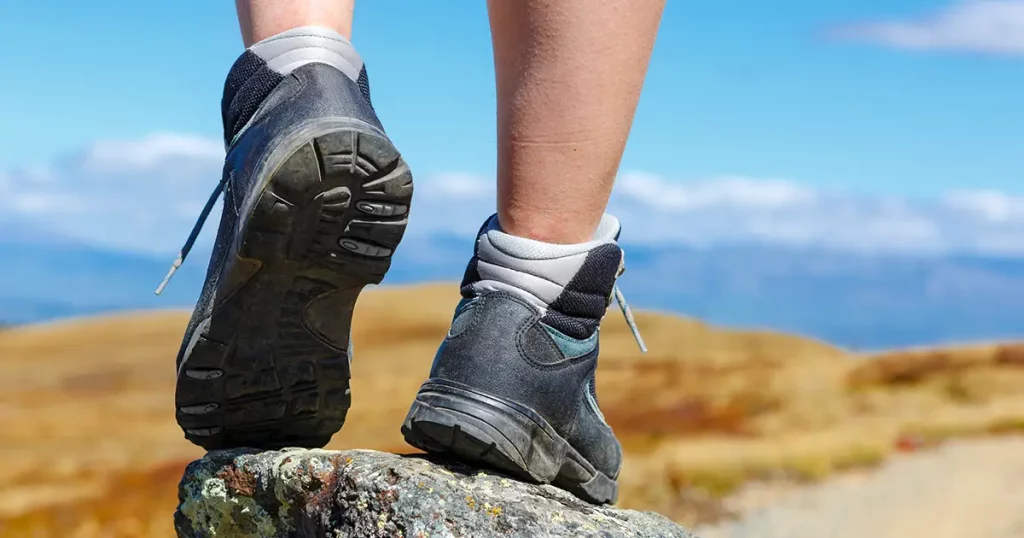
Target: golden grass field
<point>89,447</point>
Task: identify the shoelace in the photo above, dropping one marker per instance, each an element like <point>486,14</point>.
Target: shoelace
<point>626,312</point>
<point>196,228</point>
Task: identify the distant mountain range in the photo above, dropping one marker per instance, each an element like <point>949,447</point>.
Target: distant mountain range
<point>855,300</point>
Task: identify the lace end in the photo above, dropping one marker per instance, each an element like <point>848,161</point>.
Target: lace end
<point>196,228</point>
<point>630,321</point>
<point>170,273</point>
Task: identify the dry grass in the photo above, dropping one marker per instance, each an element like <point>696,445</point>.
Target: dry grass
<point>89,447</point>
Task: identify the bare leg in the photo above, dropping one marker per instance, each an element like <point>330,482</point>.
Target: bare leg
<point>569,74</point>
<point>260,19</point>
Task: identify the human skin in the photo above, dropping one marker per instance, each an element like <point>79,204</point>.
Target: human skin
<point>568,76</point>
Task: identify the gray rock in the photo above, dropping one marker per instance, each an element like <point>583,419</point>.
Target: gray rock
<point>363,493</point>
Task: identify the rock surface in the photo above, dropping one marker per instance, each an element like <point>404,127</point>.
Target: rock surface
<point>364,493</point>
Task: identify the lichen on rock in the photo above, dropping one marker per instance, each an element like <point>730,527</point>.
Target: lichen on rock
<point>363,493</point>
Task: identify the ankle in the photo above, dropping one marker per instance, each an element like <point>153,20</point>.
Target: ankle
<point>260,19</point>
<point>557,228</point>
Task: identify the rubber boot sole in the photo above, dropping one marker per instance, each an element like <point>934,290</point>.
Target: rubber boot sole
<point>449,418</point>
<point>270,368</point>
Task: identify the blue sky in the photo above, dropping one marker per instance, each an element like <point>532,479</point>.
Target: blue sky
<point>749,106</point>
<point>749,88</point>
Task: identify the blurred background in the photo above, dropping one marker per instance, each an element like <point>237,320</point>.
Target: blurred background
<point>823,211</point>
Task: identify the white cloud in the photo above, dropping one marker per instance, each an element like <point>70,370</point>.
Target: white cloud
<point>116,194</point>
<point>450,203</point>
<point>989,205</point>
<point>774,211</point>
<point>145,195</point>
<point>983,26</point>
<point>737,192</point>
<point>658,210</point>
<point>121,155</point>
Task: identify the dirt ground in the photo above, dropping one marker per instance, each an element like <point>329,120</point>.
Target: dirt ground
<point>963,488</point>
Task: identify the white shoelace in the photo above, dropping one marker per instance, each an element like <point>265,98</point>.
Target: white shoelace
<point>624,307</point>
<point>628,314</point>
<point>196,228</point>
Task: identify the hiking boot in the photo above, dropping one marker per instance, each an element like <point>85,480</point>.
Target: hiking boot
<point>512,385</point>
<point>315,203</point>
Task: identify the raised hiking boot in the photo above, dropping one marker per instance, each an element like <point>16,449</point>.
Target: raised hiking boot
<point>512,385</point>
<point>315,202</point>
